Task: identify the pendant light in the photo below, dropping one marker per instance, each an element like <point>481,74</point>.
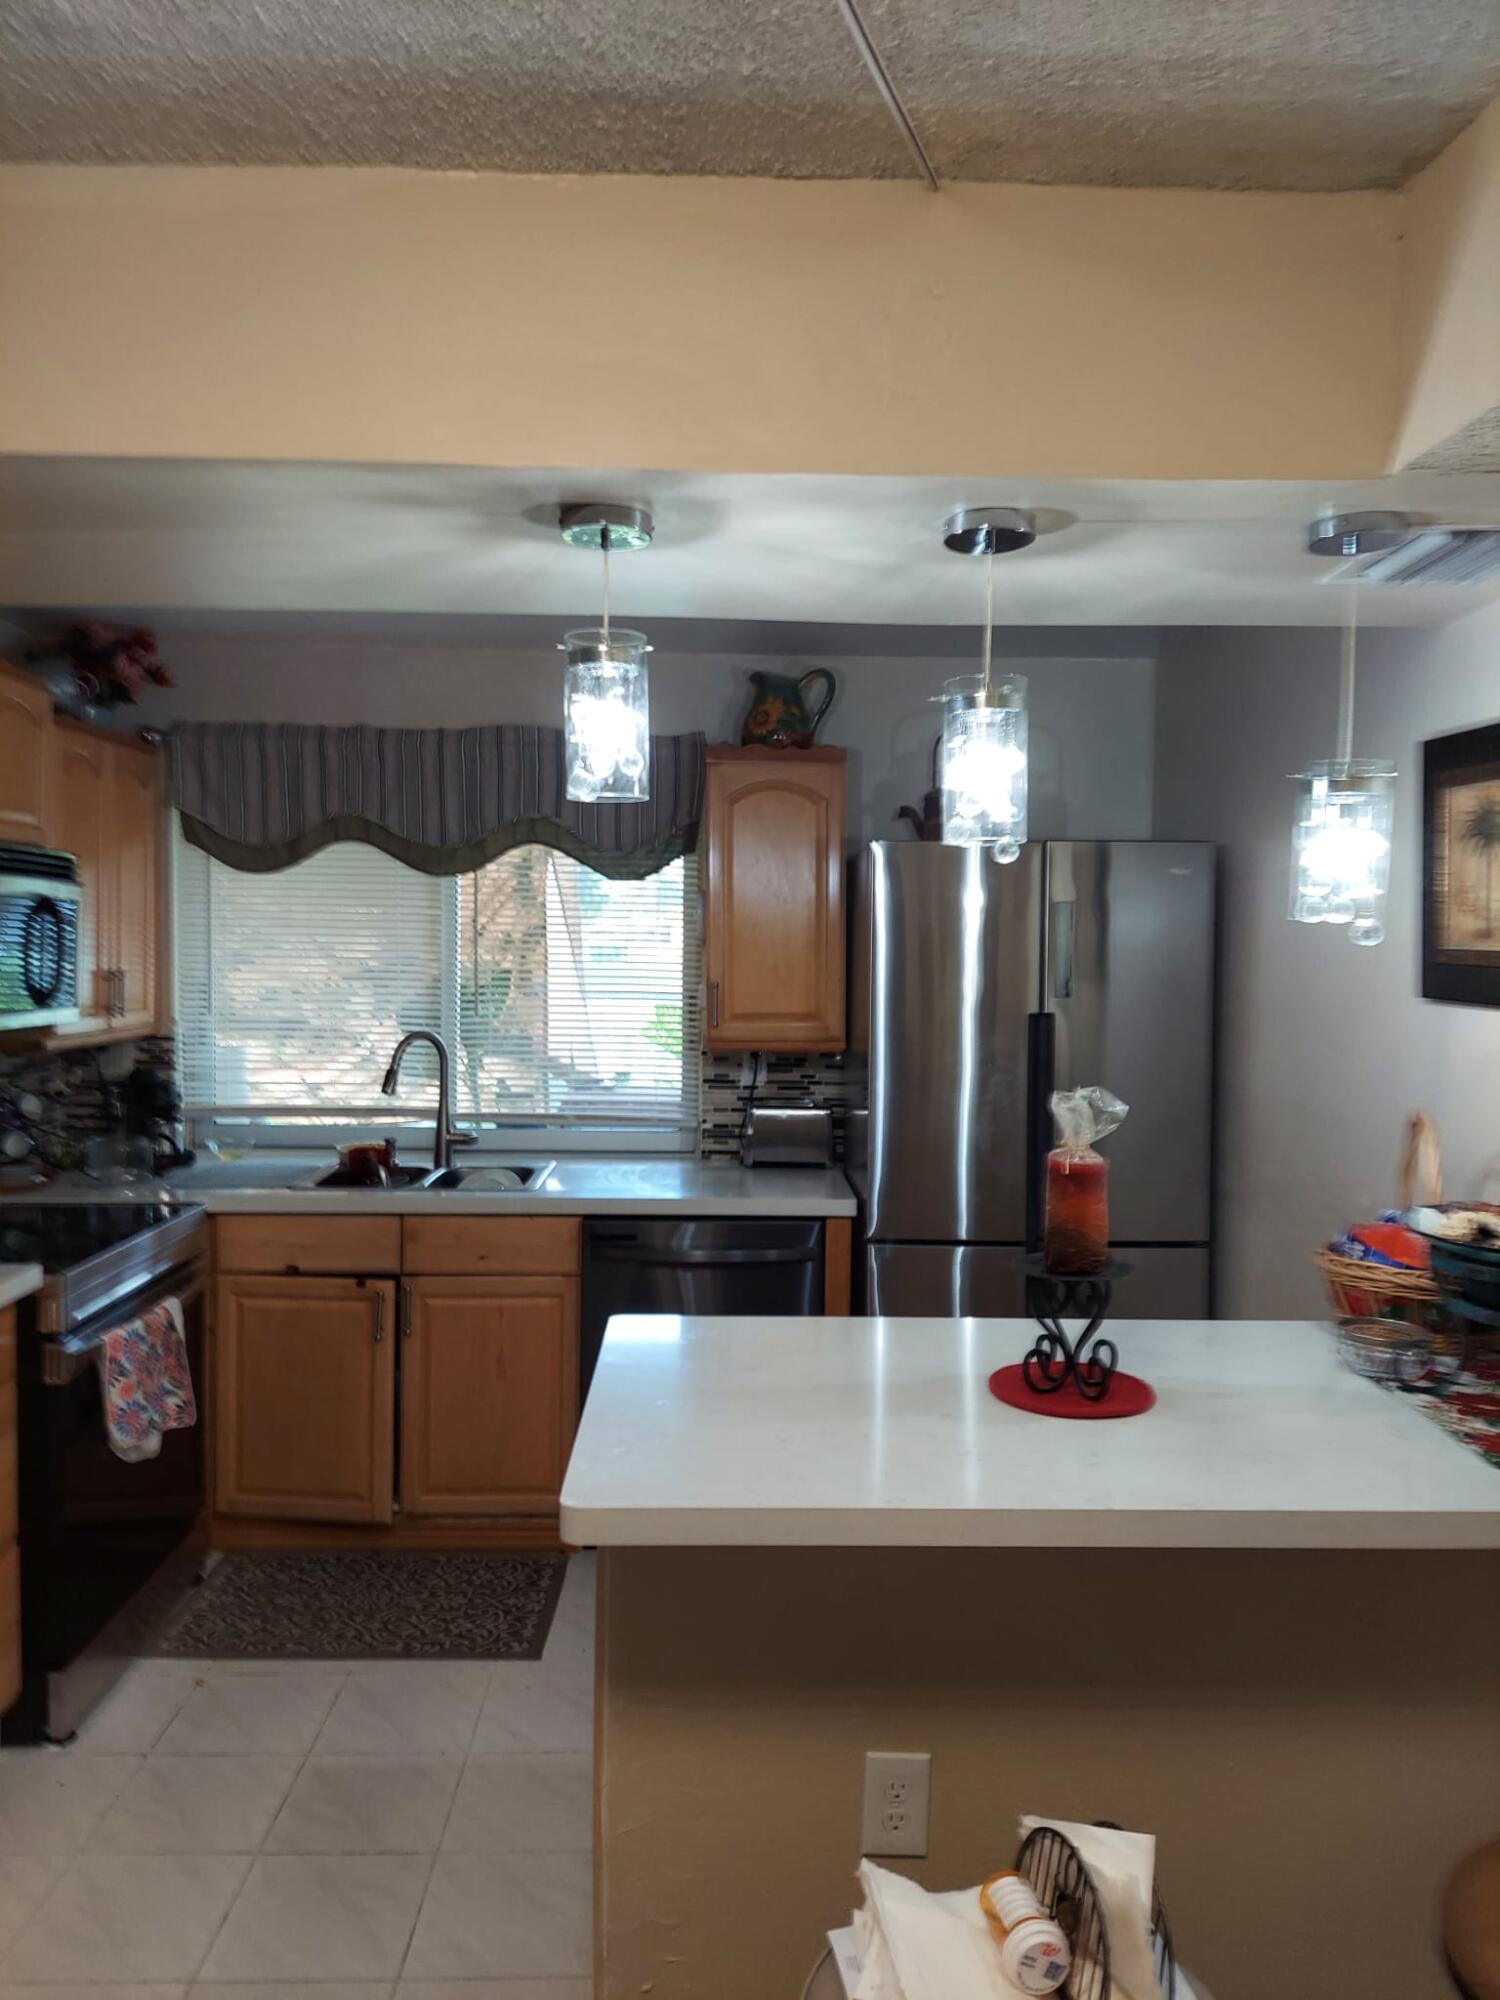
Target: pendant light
<point>606,714</point>
<point>1341,833</point>
<point>983,764</point>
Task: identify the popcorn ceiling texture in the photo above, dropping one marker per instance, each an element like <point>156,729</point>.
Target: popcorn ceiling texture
<point>1473,448</point>
<point>1311,94</point>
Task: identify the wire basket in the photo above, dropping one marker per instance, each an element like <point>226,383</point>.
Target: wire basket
<point>1065,1889</point>
<point>1361,1290</point>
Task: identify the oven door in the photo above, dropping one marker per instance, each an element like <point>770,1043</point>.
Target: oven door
<point>95,1531</point>
<point>38,951</point>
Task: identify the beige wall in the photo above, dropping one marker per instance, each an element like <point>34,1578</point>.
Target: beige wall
<point>1314,1738</point>
<point>1450,290</point>
<point>1323,1047</point>
<point>389,315</point>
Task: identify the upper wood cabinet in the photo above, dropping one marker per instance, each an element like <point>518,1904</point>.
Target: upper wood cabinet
<point>774,899</point>
<point>304,1392</point>
<point>25,737</point>
<point>106,807</point>
<point>489,1393</point>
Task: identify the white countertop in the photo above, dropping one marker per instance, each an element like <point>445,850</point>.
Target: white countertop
<point>665,1183</point>
<point>883,1433</point>
<point>19,1281</point>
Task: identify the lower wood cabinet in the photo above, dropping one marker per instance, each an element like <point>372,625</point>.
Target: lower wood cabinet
<point>304,1387</point>
<point>489,1393</point>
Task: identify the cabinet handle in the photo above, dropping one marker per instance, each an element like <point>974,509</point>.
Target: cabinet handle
<point>406,1326</point>
<point>713,1003</point>
<point>379,1317</point>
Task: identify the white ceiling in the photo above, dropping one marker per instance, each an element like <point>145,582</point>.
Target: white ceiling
<point>198,535</point>
<point>1206,93</point>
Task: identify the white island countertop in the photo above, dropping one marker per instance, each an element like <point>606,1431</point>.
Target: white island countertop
<point>19,1281</point>
<point>882,1433</point>
<point>270,1183</point>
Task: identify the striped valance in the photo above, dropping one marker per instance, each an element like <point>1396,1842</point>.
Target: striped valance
<point>261,795</point>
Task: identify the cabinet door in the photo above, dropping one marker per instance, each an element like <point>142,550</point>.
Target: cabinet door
<point>774,935</point>
<point>136,818</point>
<point>489,1393</point>
<point>25,737</point>
<point>305,1397</point>
<point>80,806</point>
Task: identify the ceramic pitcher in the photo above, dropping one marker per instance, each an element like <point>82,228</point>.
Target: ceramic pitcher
<point>782,714</point>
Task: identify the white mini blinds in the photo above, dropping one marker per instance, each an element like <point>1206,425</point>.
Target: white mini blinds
<point>569,1000</point>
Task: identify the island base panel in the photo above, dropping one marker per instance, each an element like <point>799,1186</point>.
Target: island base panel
<point>1315,1733</point>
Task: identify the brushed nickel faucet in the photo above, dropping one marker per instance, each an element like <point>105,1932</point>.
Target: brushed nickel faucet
<point>446,1135</point>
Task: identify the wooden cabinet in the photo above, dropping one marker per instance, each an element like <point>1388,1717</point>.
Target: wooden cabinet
<point>774,899</point>
<point>304,1385</point>
<point>136,817</point>
<point>10,1558</point>
<point>80,793</point>
<point>489,1393</point>
<point>25,738</point>
<point>106,807</point>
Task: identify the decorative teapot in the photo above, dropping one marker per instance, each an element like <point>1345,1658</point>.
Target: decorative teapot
<point>782,716</point>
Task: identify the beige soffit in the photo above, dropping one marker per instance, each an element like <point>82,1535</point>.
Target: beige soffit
<point>1297,94</point>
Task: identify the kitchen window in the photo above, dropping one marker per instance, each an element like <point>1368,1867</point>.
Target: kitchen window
<point>570,1001</point>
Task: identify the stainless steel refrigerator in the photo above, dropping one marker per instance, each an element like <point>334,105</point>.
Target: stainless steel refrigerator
<point>980,988</point>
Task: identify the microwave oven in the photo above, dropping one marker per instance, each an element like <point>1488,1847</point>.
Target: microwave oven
<point>40,902</point>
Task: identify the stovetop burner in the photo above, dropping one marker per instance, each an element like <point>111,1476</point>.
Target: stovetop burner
<point>58,1235</point>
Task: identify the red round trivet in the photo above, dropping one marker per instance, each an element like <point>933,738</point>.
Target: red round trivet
<point>1128,1396</point>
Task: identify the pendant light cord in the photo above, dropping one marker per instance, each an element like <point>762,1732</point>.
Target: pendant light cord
<point>989,613</point>
<point>604,549</point>
<point>1345,749</point>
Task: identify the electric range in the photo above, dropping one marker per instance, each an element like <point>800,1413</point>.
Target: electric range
<point>107,1546</point>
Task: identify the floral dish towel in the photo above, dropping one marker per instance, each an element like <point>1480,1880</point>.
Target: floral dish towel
<point>144,1381</point>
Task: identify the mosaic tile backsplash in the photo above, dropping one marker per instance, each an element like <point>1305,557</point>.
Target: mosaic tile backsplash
<point>832,1083</point>
<point>50,1105</point>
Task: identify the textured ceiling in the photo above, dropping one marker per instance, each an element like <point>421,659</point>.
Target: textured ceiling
<point>445,541</point>
<point>1210,93</point>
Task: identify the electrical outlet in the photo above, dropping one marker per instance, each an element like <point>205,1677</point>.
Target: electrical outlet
<point>898,1797</point>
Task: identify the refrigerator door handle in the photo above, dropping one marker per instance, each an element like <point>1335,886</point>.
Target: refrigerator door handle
<point>1041,1049</point>
<point>1061,942</point>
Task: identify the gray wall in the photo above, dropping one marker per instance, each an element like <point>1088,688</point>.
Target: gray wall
<point>1324,1047</point>
<point>1092,720</point>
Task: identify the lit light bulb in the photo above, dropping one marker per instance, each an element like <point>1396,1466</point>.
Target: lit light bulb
<point>1341,847</point>
<point>984,764</point>
<point>607,729</point>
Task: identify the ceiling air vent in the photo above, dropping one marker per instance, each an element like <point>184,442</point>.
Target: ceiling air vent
<point>1436,555</point>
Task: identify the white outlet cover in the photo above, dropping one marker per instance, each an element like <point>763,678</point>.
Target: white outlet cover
<point>898,1800</point>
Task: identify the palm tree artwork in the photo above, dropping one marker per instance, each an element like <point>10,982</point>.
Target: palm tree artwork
<point>1480,831</point>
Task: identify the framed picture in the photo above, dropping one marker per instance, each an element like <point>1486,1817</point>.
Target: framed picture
<point>1461,867</point>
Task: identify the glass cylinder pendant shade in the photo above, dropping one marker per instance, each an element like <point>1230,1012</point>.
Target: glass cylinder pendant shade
<point>607,723</point>
<point>1341,845</point>
<point>984,763</point>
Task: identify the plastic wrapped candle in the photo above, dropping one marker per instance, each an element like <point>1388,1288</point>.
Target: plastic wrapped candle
<point>1075,1238</point>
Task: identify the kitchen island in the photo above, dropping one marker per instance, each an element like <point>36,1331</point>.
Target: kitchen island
<point>1261,1621</point>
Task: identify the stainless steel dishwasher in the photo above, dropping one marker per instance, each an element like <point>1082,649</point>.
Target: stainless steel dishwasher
<point>768,1267</point>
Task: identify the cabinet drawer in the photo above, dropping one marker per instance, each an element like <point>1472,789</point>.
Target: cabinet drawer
<point>474,1245</point>
<point>7,1462</point>
<point>10,1625</point>
<point>7,1343</point>
<point>356,1244</point>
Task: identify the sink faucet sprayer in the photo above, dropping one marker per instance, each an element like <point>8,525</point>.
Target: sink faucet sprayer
<point>445,1136</point>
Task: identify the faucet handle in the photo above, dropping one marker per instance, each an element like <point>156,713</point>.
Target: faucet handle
<point>461,1136</point>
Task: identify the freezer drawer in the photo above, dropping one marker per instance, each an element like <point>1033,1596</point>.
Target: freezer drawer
<point>954,1280</point>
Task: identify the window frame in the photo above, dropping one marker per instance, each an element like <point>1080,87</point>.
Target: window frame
<point>302,1129</point>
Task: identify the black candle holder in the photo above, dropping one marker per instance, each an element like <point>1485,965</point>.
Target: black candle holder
<point>1090,1360</point>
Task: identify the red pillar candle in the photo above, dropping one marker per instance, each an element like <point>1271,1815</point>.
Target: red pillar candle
<point>1076,1234</point>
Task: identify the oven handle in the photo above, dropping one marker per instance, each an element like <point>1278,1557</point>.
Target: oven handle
<point>65,1356</point>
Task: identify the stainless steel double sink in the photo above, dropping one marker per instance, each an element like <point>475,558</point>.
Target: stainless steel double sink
<point>506,1178</point>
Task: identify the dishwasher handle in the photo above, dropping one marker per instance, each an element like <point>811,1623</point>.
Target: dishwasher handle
<point>636,1253</point>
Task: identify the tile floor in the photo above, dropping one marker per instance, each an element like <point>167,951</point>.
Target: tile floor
<point>312,1831</point>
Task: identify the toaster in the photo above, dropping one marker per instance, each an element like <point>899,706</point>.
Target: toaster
<point>778,1135</point>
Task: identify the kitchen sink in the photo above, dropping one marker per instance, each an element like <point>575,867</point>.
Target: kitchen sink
<point>506,1178</point>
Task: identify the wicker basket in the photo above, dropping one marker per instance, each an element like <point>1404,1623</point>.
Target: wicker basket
<point>1381,1291</point>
